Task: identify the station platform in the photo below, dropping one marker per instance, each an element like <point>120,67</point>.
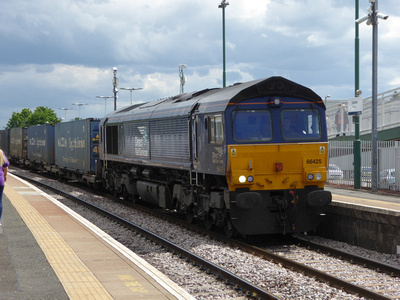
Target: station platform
<point>49,252</point>
<point>365,200</point>
<point>362,218</point>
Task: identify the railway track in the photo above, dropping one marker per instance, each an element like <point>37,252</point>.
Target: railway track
<point>364,277</point>
<point>218,272</point>
<point>287,258</point>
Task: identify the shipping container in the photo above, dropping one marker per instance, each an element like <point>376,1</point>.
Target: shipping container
<point>18,144</point>
<point>76,149</point>
<point>41,145</point>
<point>5,141</point>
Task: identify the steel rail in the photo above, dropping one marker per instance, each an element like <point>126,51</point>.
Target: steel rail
<point>353,258</point>
<point>321,276</point>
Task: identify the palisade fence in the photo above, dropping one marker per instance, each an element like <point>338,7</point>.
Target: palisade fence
<point>341,158</point>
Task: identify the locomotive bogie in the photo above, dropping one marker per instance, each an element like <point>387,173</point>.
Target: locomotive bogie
<point>154,193</point>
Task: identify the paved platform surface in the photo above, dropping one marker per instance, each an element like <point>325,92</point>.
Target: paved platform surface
<point>365,200</point>
<point>49,252</point>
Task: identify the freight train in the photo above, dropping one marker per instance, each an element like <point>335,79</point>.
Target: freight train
<point>250,158</point>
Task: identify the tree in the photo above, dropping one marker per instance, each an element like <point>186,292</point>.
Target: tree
<point>19,119</point>
<point>25,118</point>
<point>43,114</point>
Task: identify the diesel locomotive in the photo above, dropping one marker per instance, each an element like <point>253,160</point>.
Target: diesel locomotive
<point>250,158</point>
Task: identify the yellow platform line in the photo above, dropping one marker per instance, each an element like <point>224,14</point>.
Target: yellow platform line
<point>78,281</point>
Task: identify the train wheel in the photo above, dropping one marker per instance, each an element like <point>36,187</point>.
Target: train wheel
<point>115,193</point>
<point>125,194</point>
<point>190,214</point>
<point>229,230</point>
<point>134,199</point>
<point>208,222</point>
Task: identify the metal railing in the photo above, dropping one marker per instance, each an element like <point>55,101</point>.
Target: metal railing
<point>340,123</point>
<point>341,168</point>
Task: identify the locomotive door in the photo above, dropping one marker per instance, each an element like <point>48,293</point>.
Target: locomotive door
<point>195,141</point>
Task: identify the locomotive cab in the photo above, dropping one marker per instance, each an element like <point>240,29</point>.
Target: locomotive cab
<point>276,163</point>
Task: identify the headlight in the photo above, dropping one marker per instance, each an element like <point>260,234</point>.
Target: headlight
<point>250,178</point>
<point>310,176</point>
<point>242,179</point>
<point>318,176</point>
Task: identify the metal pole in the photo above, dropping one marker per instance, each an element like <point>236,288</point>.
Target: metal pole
<point>79,105</point>
<point>373,20</point>
<point>131,89</point>
<point>65,112</point>
<point>374,135</point>
<point>223,5</point>
<point>115,89</point>
<point>357,140</point>
<point>105,102</point>
<point>223,48</point>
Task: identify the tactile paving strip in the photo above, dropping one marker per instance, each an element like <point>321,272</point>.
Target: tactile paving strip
<point>78,281</point>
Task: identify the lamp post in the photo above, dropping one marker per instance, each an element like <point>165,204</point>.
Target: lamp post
<point>115,88</point>
<point>79,105</point>
<point>223,5</point>
<point>131,89</point>
<point>372,19</point>
<point>326,98</point>
<point>65,111</point>
<point>105,102</point>
<point>357,140</point>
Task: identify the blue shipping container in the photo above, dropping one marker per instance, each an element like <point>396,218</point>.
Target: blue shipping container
<point>41,144</point>
<point>76,145</point>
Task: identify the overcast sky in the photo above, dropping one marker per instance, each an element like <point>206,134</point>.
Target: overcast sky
<point>56,53</point>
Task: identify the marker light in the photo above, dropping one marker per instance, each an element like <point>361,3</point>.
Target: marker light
<point>242,179</point>
<point>277,101</point>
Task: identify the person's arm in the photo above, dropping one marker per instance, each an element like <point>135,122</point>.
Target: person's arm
<point>5,173</point>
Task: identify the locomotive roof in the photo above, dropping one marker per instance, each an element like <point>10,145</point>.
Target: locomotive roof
<point>214,100</point>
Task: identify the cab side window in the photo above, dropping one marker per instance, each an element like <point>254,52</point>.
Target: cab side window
<point>215,130</point>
